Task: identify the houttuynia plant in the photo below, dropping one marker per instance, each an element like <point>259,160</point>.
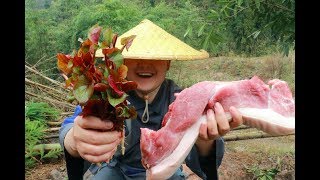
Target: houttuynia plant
<point>99,85</point>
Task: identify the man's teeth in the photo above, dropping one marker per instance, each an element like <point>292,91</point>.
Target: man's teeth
<point>145,74</point>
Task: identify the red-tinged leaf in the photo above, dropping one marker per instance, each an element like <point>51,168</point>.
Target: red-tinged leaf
<point>114,74</point>
<point>103,44</point>
<point>85,47</point>
<point>115,101</point>
<point>87,59</point>
<point>93,48</point>
<point>70,64</point>
<point>108,51</point>
<point>77,70</point>
<point>110,64</point>
<point>89,76</point>
<point>94,34</point>
<point>127,85</point>
<point>122,71</point>
<point>68,82</point>
<point>120,111</point>
<point>83,89</point>
<point>127,41</point>
<point>63,62</point>
<point>113,85</point>
<point>132,112</point>
<point>78,62</point>
<point>101,87</point>
<point>114,40</point>
<point>126,112</point>
<point>98,108</point>
<point>97,76</point>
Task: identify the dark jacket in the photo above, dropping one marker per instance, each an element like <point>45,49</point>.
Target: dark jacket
<point>204,167</point>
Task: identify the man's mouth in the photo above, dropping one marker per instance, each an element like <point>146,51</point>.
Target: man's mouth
<point>145,74</point>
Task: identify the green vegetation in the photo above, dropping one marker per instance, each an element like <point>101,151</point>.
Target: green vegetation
<point>40,111</point>
<point>263,174</point>
<point>241,27</point>
<point>36,115</point>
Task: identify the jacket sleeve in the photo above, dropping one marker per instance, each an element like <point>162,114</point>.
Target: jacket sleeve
<point>75,166</point>
<point>206,167</point>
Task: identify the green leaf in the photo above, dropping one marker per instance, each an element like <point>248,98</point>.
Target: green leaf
<point>189,31</point>
<point>256,34</point>
<point>269,177</point>
<point>257,2</point>
<point>214,12</point>
<point>117,58</point>
<point>107,36</point>
<point>201,30</point>
<point>206,42</point>
<point>263,178</point>
<point>83,90</point>
<point>106,73</point>
<point>115,101</point>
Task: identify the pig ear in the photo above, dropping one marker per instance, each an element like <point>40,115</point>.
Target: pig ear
<point>176,94</point>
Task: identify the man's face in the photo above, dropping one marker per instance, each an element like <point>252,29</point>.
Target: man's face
<point>148,74</point>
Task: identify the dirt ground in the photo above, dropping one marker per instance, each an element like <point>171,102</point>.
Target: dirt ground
<point>240,157</point>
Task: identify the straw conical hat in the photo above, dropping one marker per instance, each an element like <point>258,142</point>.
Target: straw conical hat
<point>154,43</point>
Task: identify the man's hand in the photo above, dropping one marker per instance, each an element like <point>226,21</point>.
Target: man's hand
<point>217,125</point>
<point>91,138</point>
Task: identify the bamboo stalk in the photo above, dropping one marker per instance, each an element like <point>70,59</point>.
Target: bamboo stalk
<point>54,123</point>
<point>67,113</point>
<point>51,136</point>
<point>46,147</point>
<point>48,93</point>
<point>255,135</point>
<point>43,86</point>
<point>54,129</point>
<point>49,79</point>
<point>34,66</point>
<point>50,100</point>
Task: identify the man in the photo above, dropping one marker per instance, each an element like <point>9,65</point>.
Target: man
<point>87,142</point>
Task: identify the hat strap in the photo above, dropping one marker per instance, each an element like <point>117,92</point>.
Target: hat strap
<point>145,115</point>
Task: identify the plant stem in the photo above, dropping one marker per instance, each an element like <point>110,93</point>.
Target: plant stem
<point>122,140</point>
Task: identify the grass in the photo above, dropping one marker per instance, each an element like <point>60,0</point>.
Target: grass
<point>277,146</point>
<point>187,73</point>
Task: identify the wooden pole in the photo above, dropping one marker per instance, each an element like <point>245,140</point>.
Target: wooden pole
<point>54,123</point>
<point>46,147</point>
<point>50,100</point>
<point>54,129</point>
<point>38,73</point>
<point>43,86</point>
<point>255,135</point>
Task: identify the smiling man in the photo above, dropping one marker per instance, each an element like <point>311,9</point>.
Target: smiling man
<point>89,140</point>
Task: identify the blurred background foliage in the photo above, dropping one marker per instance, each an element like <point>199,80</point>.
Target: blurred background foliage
<point>222,27</point>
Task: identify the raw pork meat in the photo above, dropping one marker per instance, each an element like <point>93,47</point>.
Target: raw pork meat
<point>270,110</point>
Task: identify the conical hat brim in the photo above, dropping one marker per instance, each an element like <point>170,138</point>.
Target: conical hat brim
<point>154,43</point>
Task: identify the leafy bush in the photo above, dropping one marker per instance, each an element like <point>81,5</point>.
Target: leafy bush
<point>263,174</point>
<point>40,111</point>
<point>36,114</point>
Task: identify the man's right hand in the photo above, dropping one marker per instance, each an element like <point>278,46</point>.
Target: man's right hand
<point>91,138</point>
